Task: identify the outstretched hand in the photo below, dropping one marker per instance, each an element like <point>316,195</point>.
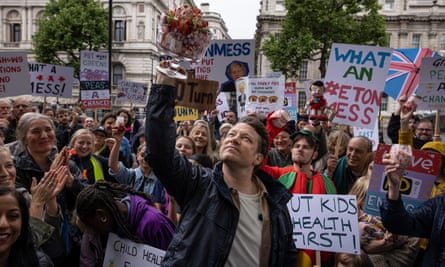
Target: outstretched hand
<point>279,118</point>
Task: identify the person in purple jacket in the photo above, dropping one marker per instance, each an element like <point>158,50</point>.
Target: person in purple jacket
<point>106,207</point>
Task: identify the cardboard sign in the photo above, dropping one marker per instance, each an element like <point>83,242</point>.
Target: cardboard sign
<point>260,95</point>
<point>94,80</point>
<point>14,75</point>
<point>122,252</point>
<point>416,185</point>
<point>354,83</point>
<point>198,94</point>
<point>132,92</point>
<point>217,63</point>
<point>185,114</point>
<point>432,84</point>
<point>51,80</point>
<point>325,222</point>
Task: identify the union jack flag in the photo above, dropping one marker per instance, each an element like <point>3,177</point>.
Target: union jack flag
<point>403,73</point>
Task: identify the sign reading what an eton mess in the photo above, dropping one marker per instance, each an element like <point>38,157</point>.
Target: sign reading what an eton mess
<point>259,95</point>
<point>354,83</point>
<point>51,80</point>
<point>14,75</point>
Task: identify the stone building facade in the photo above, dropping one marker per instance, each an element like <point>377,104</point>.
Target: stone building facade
<point>409,24</point>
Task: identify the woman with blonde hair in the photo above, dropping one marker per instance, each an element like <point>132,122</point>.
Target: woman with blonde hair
<point>204,139</point>
<point>93,167</point>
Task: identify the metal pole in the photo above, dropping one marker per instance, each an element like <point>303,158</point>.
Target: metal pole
<point>110,37</point>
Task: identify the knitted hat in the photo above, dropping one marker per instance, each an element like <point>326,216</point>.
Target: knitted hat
<point>436,146</point>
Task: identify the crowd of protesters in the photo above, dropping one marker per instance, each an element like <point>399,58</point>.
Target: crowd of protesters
<point>211,192</point>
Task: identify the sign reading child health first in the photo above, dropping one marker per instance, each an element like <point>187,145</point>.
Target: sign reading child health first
<point>325,222</point>
<point>14,75</point>
<point>94,80</point>
<point>122,252</point>
<point>354,83</point>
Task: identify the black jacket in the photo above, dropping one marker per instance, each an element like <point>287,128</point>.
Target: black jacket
<point>209,218</point>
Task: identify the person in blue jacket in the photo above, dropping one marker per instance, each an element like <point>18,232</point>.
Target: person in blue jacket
<point>233,214</point>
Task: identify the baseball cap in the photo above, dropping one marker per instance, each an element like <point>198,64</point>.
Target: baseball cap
<point>100,129</point>
<point>436,146</point>
<point>307,133</point>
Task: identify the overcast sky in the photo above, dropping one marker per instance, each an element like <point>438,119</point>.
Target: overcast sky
<point>239,15</point>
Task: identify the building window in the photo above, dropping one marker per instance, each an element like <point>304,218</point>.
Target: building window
<point>301,99</point>
<point>388,36</point>
<point>416,41</point>
<point>118,73</point>
<point>279,5</point>
<point>384,103</point>
<point>119,30</point>
<point>16,33</point>
<point>442,42</point>
<point>389,5</point>
<point>141,8</point>
<point>303,71</point>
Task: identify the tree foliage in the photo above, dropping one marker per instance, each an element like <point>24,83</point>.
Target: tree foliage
<point>310,27</point>
<point>66,28</point>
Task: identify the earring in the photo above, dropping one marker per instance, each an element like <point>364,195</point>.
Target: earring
<point>103,219</point>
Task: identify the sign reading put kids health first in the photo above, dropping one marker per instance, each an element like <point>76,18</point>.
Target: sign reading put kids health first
<point>416,184</point>
<point>354,83</point>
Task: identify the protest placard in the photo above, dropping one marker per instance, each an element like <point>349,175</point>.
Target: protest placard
<point>185,113</point>
<point>290,99</point>
<point>14,75</point>
<point>354,82</point>
<point>220,58</point>
<point>51,80</point>
<point>260,95</point>
<point>94,80</point>
<point>325,222</point>
<point>371,134</point>
<point>432,84</point>
<point>198,94</point>
<point>416,184</point>
<point>131,92</point>
<point>122,252</point>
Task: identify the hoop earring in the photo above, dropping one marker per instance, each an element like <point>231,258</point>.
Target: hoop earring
<point>103,219</point>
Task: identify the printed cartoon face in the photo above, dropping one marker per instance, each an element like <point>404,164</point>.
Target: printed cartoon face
<point>253,98</point>
<point>262,99</point>
<point>273,99</point>
<point>242,87</point>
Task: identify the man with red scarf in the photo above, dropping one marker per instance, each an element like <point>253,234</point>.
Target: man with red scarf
<point>300,178</point>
